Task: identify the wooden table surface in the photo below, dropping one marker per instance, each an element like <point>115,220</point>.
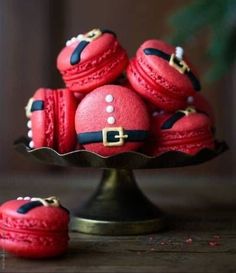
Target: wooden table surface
<point>196,245</point>
<point>196,240</point>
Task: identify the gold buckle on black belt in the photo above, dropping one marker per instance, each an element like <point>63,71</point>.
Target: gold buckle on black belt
<point>179,65</point>
<point>121,136</point>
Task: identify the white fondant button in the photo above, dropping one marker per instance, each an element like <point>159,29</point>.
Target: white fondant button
<point>158,113</point>
<point>68,43</point>
<point>111,120</point>
<point>30,134</point>
<point>179,52</point>
<point>29,124</point>
<point>109,98</point>
<point>31,144</point>
<point>190,100</point>
<point>154,114</point>
<point>109,109</point>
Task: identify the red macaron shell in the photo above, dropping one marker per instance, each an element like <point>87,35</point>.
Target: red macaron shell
<point>151,91</point>
<point>101,62</point>
<point>54,125</point>
<point>128,112</point>
<point>33,246</point>
<point>154,78</point>
<point>66,135</point>
<point>39,218</point>
<point>189,134</point>
<point>41,232</point>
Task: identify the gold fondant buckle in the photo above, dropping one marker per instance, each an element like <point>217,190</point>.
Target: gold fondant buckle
<point>188,111</point>
<point>121,136</point>
<point>51,201</point>
<point>92,35</point>
<point>28,108</point>
<point>181,66</point>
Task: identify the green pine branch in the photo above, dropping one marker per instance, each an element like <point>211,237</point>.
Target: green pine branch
<point>218,17</point>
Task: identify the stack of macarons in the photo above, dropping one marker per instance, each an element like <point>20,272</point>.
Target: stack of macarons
<point>110,104</point>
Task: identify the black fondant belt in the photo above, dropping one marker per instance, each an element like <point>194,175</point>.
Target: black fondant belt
<point>179,65</point>
<point>113,136</point>
<point>31,205</point>
<point>76,55</point>
<point>37,105</point>
<point>178,115</point>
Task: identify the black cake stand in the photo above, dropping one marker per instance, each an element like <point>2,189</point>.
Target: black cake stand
<point>118,206</point>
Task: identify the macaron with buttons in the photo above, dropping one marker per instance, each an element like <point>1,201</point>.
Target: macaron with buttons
<point>112,119</point>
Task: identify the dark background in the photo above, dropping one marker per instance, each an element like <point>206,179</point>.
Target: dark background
<point>31,35</point>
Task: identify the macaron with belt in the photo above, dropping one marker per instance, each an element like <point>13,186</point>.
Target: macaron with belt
<point>51,119</point>
<point>160,73</point>
<point>91,60</point>
<point>112,119</point>
<point>186,131</point>
<point>34,227</point>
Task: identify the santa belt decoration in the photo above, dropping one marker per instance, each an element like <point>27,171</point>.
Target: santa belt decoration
<point>85,40</point>
<point>177,63</point>
<point>33,105</point>
<point>112,136</point>
<point>35,202</point>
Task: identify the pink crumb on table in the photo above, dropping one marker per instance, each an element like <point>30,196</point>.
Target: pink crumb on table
<point>213,243</point>
<point>189,241</point>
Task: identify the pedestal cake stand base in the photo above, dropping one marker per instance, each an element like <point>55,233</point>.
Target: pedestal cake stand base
<point>118,207</point>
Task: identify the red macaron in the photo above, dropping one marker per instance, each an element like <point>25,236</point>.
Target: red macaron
<point>51,114</point>
<point>91,60</point>
<point>34,228</point>
<point>186,131</point>
<point>112,119</point>
<point>159,73</point>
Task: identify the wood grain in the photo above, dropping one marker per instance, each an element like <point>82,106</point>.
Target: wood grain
<point>212,249</point>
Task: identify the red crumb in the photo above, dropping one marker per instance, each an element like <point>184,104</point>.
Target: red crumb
<point>213,243</point>
<point>189,241</point>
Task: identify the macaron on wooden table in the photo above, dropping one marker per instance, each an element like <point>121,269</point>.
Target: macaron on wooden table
<point>34,228</point>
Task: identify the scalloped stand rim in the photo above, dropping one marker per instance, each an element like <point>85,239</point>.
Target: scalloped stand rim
<point>128,160</point>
